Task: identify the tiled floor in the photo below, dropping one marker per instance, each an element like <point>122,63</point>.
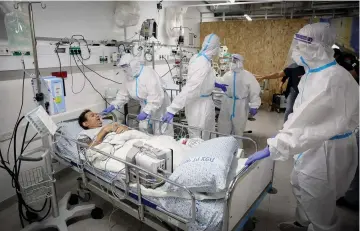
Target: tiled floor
<point>273,209</point>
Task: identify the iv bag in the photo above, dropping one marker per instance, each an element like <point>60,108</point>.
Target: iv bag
<point>18,31</point>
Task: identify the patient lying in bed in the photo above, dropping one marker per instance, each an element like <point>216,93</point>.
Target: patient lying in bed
<point>94,132</point>
<point>117,140</point>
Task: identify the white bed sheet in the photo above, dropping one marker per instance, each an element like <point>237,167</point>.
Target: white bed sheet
<point>110,167</point>
<point>209,212</point>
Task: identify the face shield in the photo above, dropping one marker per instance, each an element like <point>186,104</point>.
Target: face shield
<point>299,46</point>
<point>130,66</point>
<point>311,46</point>
<point>237,63</point>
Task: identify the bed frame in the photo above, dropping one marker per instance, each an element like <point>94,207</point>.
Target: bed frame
<point>243,195</point>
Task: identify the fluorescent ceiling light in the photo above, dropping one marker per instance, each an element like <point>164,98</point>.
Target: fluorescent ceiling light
<point>247,17</point>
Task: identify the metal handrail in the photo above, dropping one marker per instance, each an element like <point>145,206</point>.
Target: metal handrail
<point>200,129</point>
<point>192,196</point>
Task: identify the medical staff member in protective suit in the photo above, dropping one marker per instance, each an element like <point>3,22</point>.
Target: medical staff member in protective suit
<point>320,130</point>
<point>242,96</point>
<point>196,94</point>
<point>142,84</point>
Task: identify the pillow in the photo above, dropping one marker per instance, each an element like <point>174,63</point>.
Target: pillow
<point>206,168</point>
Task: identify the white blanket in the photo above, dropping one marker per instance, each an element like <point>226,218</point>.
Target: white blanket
<point>119,144</point>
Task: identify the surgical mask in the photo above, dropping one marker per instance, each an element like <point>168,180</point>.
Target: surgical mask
<point>236,65</point>
<point>296,56</point>
<point>135,68</point>
<point>127,70</point>
<point>233,67</point>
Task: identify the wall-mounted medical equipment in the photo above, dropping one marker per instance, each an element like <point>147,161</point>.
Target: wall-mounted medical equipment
<point>53,90</point>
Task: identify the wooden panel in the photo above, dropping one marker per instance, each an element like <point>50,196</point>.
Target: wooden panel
<point>263,43</point>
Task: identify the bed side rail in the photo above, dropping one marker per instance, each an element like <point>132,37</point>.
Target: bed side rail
<point>182,129</point>
<point>126,183</point>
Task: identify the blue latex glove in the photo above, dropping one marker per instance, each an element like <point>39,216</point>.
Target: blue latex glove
<point>168,117</point>
<point>108,110</point>
<point>221,86</point>
<point>143,116</point>
<point>258,156</point>
<point>253,111</point>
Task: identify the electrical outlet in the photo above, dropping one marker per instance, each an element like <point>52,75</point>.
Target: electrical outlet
<point>75,51</point>
<point>4,50</point>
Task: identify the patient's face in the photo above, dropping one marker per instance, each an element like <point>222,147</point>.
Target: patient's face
<point>93,120</point>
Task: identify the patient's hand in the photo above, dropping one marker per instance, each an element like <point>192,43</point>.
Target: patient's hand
<point>121,129</point>
<point>115,127</point>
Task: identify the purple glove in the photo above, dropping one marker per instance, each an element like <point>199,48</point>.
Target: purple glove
<point>221,86</point>
<point>108,110</point>
<point>253,111</point>
<point>258,156</point>
<point>143,116</point>
<point>168,117</point>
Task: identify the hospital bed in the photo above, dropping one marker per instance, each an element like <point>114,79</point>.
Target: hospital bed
<point>243,195</point>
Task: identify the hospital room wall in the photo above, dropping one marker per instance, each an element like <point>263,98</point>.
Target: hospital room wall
<point>94,21</point>
<point>263,43</point>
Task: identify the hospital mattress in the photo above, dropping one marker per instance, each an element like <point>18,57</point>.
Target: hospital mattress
<point>209,213</point>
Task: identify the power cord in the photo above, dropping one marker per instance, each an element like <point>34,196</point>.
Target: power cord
<point>168,66</point>
<point>31,214</point>
<point>21,107</point>
<point>87,45</point>
<point>72,81</point>
<point>96,72</point>
<point>167,72</point>
<point>93,85</point>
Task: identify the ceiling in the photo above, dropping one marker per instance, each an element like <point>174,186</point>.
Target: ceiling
<point>284,9</point>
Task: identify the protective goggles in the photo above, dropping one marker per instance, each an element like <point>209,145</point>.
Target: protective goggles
<point>125,66</point>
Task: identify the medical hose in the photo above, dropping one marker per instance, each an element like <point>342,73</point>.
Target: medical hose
<point>14,174</point>
<point>93,85</point>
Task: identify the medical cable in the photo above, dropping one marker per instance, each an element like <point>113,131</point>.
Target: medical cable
<point>87,45</point>
<point>167,72</point>
<point>21,107</point>
<point>96,72</point>
<point>57,53</point>
<point>17,172</point>
<point>72,81</point>
<point>168,65</point>
<point>15,179</point>
<point>93,85</point>
<point>109,221</point>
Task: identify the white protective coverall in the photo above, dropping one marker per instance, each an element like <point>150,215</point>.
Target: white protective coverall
<point>143,84</point>
<point>196,94</point>
<point>242,93</point>
<point>320,130</point>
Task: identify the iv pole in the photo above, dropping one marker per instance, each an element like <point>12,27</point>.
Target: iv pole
<point>180,45</point>
<point>39,95</point>
<point>60,212</point>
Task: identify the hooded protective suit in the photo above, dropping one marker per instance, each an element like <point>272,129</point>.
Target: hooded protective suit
<point>143,84</point>
<point>196,94</point>
<point>320,130</point>
<point>243,93</point>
